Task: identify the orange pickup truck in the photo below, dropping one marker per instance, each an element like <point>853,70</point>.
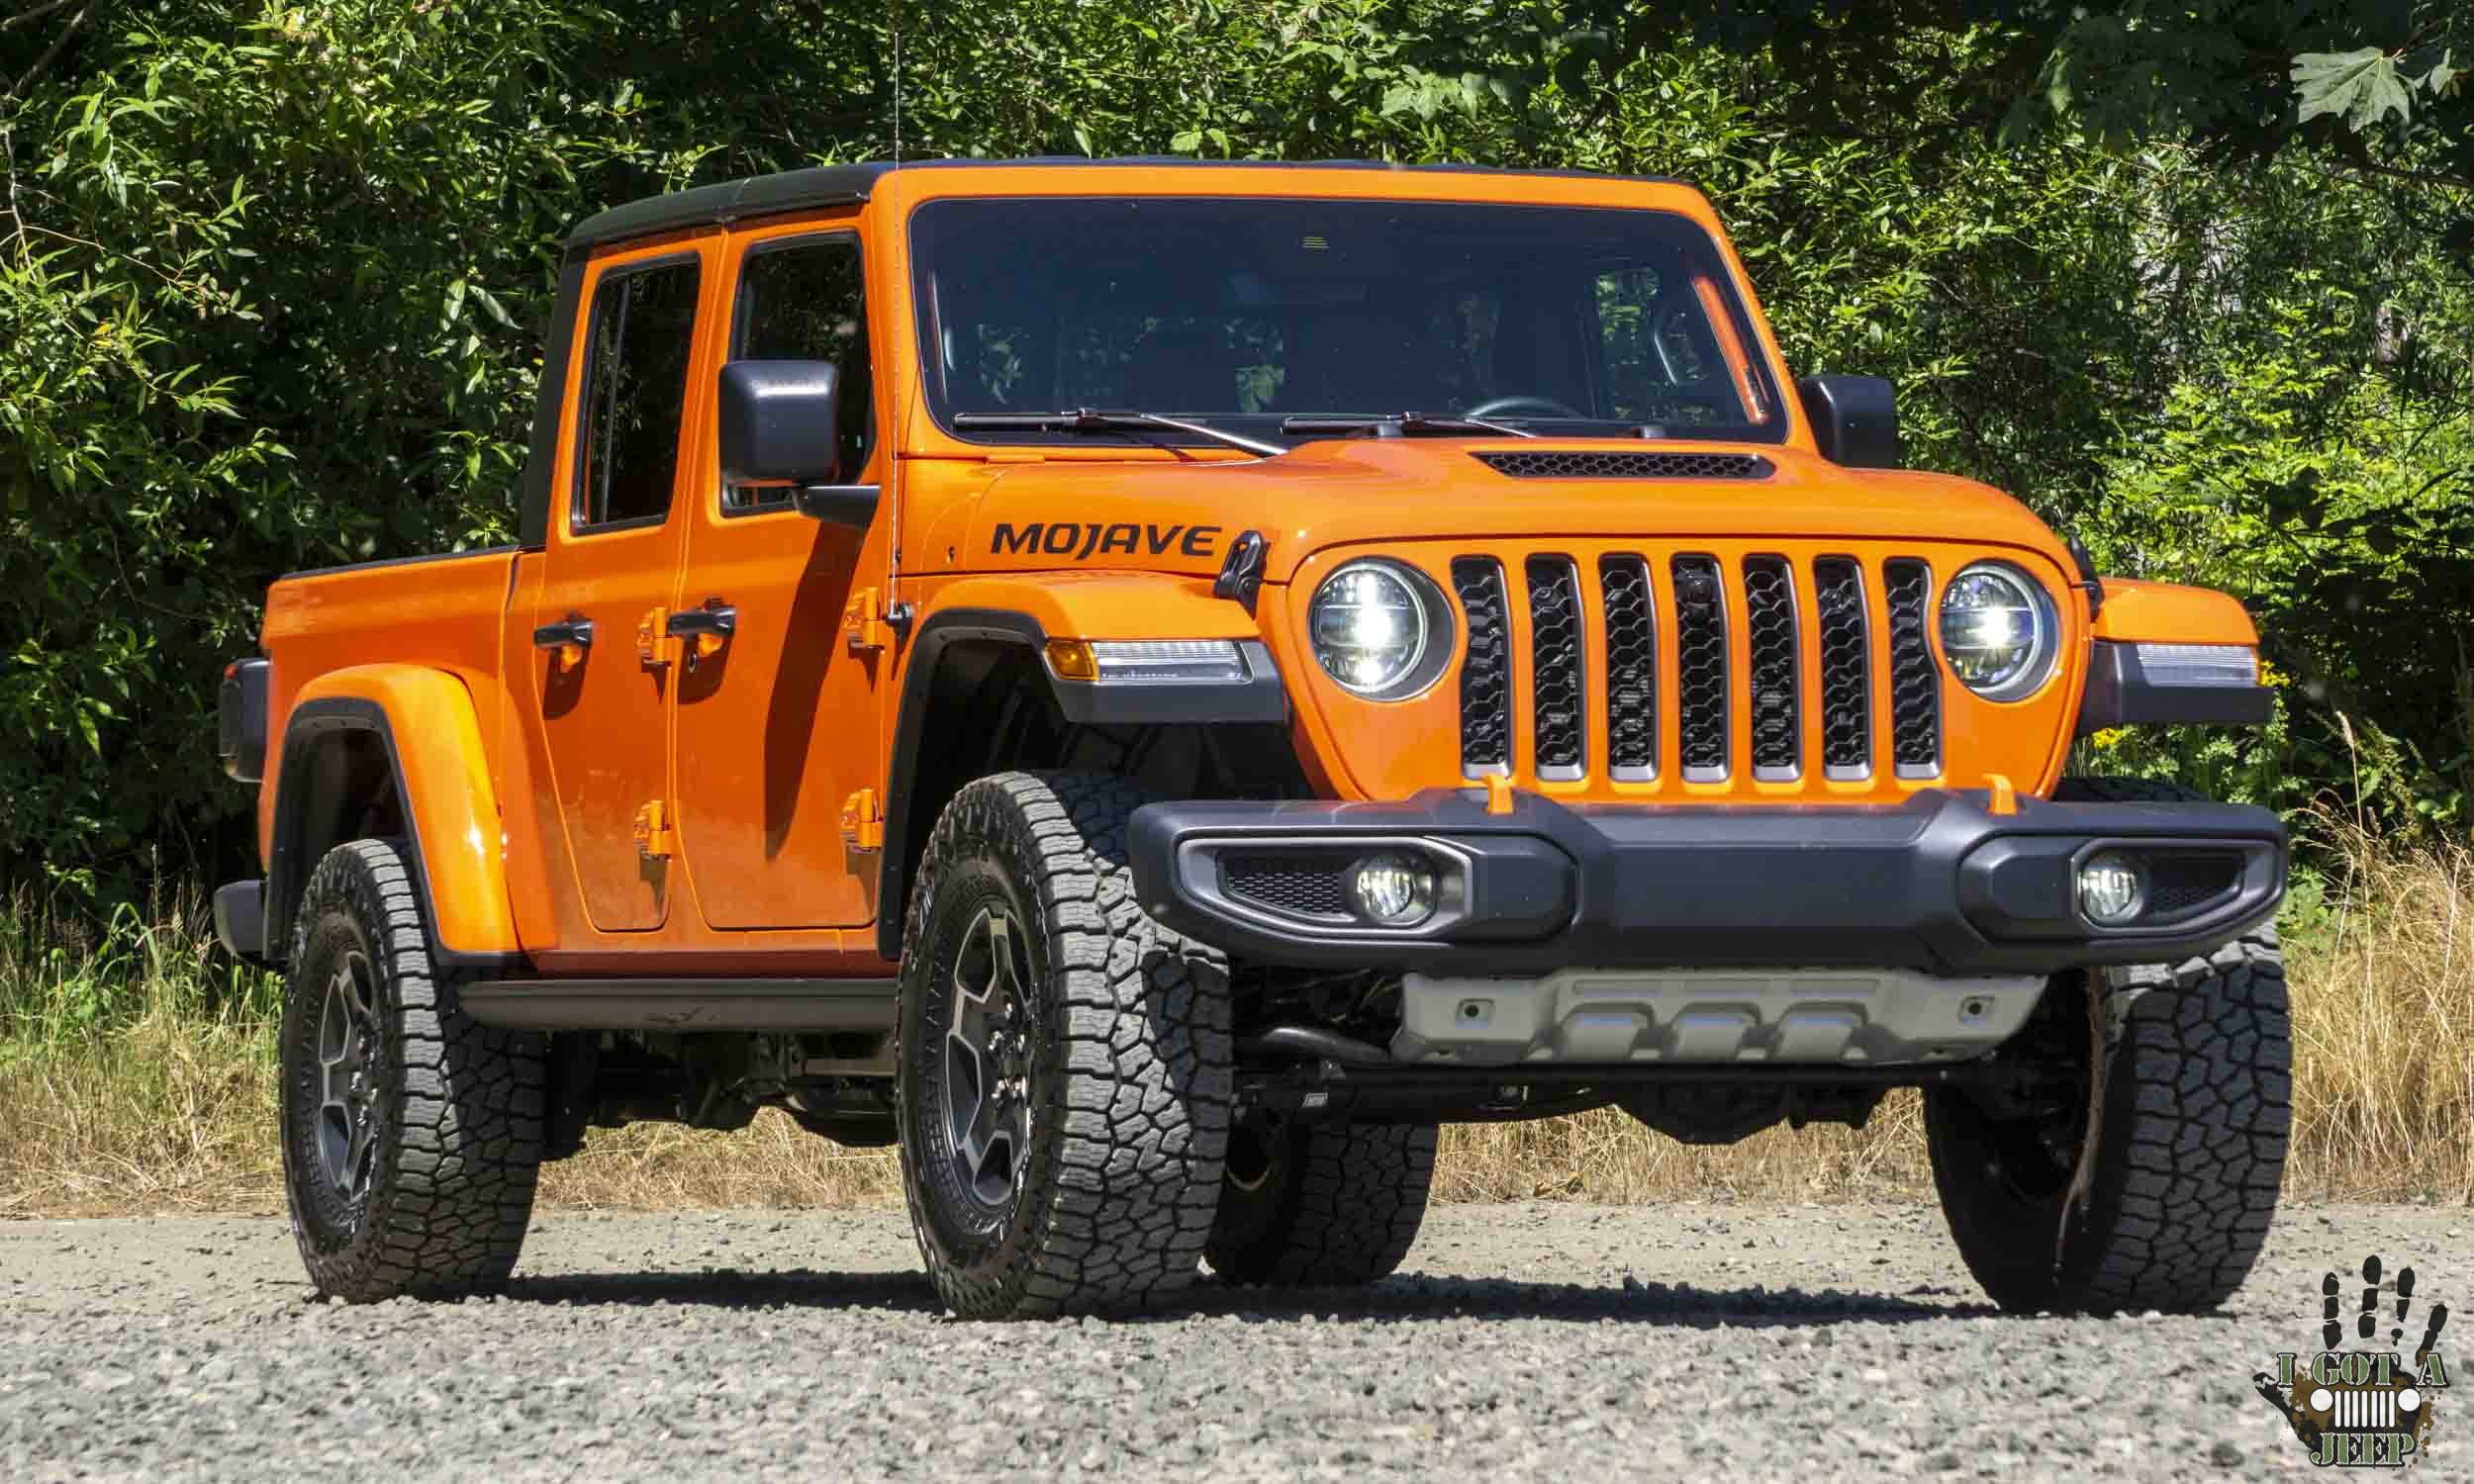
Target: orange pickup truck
<point>1152,686</point>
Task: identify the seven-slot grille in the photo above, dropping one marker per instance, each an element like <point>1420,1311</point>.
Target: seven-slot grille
<point>1619,606</point>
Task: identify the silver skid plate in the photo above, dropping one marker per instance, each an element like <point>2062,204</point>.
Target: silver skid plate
<point>1788,1015</point>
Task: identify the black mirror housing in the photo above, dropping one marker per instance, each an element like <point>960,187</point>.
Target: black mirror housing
<point>1854,420</point>
<point>779,422</point>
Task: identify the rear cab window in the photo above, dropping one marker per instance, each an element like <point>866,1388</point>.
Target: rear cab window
<point>637,348</point>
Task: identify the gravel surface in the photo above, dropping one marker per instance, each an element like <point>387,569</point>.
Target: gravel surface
<point>1533,1340</point>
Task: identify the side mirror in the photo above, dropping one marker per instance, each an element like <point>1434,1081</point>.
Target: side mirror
<point>1854,420</point>
<point>779,422</point>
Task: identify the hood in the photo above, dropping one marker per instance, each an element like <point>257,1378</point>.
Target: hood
<point>1181,517</point>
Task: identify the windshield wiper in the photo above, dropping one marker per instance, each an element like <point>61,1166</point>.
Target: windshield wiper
<point>1096,419</point>
<point>1403,425</point>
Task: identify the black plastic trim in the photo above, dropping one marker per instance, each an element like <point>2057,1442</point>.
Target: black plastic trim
<point>1258,699</point>
<point>849,185</point>
<point>289,865</point>
<point>850,506</point>
<point>2119,694</point>
<point>685,1005</point>
<point>241,918</point>
<point>240,720</point>
<point>1687,886</point>
<point>532,529</point>
<point>1854,420</point>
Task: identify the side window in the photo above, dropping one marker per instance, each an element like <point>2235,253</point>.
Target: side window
<point>804,299</point>
<point>634,391</point>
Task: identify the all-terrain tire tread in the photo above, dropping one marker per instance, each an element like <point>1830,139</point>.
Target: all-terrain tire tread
<point>449,1203</point>
<point>1147,1049</point>
<point>2204,1098</point>
<point>1358,1198</point>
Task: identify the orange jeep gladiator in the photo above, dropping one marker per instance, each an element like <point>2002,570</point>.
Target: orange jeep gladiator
<point>1151,686</point>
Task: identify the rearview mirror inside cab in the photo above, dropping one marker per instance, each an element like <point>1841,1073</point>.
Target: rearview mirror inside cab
<point>777,425</point>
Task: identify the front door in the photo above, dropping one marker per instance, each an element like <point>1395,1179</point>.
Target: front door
<point>777,728</point>
<point>603,677</point>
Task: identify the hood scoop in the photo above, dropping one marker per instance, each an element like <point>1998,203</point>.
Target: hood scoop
<point>1623,463</point>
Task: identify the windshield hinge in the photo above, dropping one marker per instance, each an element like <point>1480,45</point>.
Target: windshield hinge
<point>865,624</point>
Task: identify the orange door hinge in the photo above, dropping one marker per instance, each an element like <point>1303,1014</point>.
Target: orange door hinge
<point>656,836</point>
<point>863,826</point>
<point>653,639</point>
<point>863,621</point>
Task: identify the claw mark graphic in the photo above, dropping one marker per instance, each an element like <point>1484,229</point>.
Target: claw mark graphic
<point>2405,1301</point>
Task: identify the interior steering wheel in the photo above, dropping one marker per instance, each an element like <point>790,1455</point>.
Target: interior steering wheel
<point>1506,406</point>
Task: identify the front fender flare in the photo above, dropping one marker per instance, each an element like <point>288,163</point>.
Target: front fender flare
<point>1025,614</point>
<point>425,722</point>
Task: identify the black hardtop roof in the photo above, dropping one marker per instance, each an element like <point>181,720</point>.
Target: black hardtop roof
<point>845,185</point>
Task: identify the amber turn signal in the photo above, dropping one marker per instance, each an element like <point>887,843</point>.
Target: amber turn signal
<point>1073,660</point>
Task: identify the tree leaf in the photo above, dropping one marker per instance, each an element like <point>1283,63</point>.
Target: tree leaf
<point>2362,85</point>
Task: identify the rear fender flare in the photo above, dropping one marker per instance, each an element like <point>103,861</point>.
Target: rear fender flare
<point>424,723</point>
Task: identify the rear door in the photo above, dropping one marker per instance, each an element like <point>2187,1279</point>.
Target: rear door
<point>602,678</point>
<point>778,730</point>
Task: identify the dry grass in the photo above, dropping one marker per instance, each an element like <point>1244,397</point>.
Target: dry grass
<point>133,1078</point>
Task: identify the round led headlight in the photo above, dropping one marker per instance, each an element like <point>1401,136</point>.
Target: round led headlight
<point>1998,631</point>
<point>1375,627</point>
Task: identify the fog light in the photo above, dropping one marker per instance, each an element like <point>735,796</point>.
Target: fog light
<point>2112,889</point>
<point>1394,891</point>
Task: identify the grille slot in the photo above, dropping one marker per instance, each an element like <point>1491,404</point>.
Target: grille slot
<point>1915,682</point>
<point>1700,594</point>
<point>1559,681</point>
<point>1620,463</point>
<point>1487,669</point>
<point>1777,716</point>
<point>1631,617</point>
<point>1845,668</point>
<point>1302,885</point>
<point>1706,671</point>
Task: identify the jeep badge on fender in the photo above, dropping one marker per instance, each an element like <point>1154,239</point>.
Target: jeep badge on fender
<point>1295,655</point>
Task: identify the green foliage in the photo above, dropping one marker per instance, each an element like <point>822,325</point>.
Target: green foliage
<point>272,278</point>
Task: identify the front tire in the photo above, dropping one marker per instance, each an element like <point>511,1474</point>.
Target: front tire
<point>2188,1102</point>
<point>1064,1068</point>
<point>411,1134</point>
<point>1323,1205</point>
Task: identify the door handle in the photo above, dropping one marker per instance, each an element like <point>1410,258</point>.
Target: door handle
<point>704,629</point>
<point>567,639</point>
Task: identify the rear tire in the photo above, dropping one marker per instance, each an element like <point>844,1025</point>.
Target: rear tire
<point>1064,1068</point>
<point>411,1134</point>
<point>1322,1205</point>
<point>2194,1109</point>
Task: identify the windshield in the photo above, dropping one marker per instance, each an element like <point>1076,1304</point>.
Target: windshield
<point>1245,313</point>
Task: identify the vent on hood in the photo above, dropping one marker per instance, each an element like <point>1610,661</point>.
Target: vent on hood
<point>1613,463</point>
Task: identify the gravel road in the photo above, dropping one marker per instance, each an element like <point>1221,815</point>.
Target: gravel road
<point>1525,1342</point>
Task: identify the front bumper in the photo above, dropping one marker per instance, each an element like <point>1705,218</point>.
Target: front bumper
<point>1940,885</point>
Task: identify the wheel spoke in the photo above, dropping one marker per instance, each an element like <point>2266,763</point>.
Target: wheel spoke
<point>344,1118</point>
<point>985,1053</point>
